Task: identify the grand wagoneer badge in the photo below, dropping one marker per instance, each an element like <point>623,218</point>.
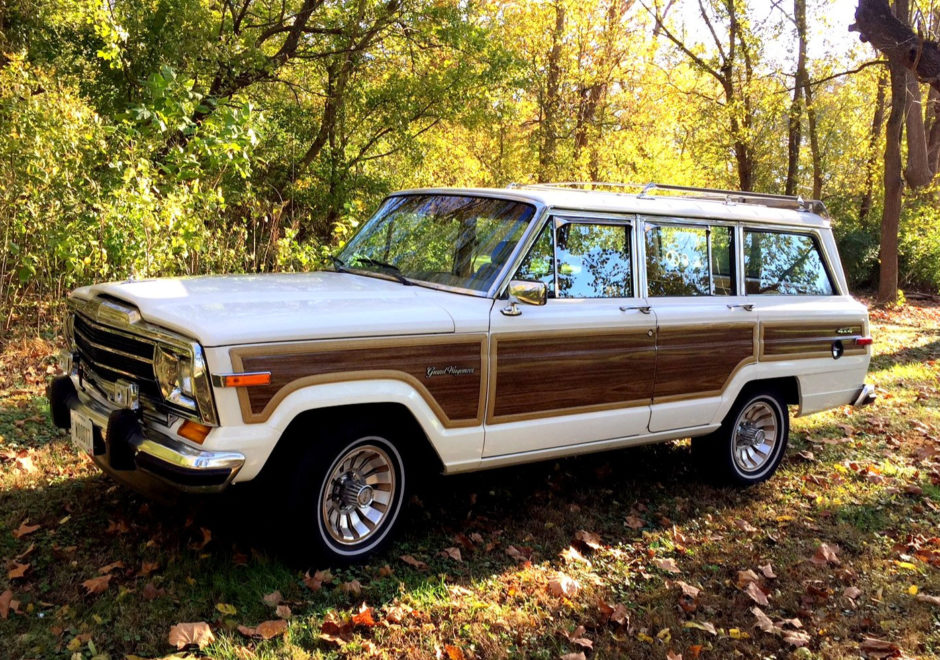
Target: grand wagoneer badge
<point>450,371</point>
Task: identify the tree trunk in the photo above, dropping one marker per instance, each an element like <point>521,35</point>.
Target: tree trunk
<point>877,123</point>
<point>795,129</point>
<point>894,187</point>
<point>550,109</point>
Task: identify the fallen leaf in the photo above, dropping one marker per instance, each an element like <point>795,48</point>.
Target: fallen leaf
<point>807,456</point>
<point>333,632</point>
<point>574,656</point>
<point>147,568</point>
<point>386,571</point>
<point>24,462</point>
<point>364,617</point>
<point>879,648</point>
<point>756,594</point>
<point>283,611</point>
<point>667,565</point>
<point>797,639</point>
<point>17,571</point>
<point>852,592</point>
<point>616,614</point>
<point>763,621</point>
<point>110,567</point>
<point>516,554</point>
<point>96,585</point>
<point>316,581</point>
<point>353,587</point>
<point>826,554</point>
<point>206,537</point>
<point>768,571</point>
<point>745,578</point>
<point>744,525</point>
<point>452,553</point>
<point>150,592</point>
<point>273,599</point>
<point>563,585</point>
<point>187,634</point>
<point>226,609</point>
<point>688,589</point>
<point>701,625</point>
<point>634,522</point>
<point>578,639</point>
<point>925,598</point>
<point>454,652</point>
<point>24,529</point>
<point>570,554</point>
<point>414,563</point>
<point>265,629</point>
<point>590,539</point>
<point>6,603</point>
<point>673,656</point>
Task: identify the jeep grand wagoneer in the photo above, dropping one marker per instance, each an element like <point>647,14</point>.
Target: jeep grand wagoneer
<point>466,329</point>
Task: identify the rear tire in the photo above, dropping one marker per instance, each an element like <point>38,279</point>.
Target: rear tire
<point>751,442</point>
<point>347,493</point>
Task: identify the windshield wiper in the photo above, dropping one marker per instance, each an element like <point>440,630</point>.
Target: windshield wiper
<point>338,264</point>
<point>392,269</point>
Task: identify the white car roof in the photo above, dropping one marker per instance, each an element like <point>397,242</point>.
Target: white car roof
<point>710,204</point>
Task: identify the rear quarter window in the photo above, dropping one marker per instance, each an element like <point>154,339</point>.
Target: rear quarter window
<point>784,264</point>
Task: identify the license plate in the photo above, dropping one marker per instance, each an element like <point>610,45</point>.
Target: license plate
<point>83,433</point>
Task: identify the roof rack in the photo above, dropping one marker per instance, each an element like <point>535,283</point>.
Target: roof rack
<point>646,191</point>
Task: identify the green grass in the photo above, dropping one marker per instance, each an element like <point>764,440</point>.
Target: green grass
<point>859,492</point>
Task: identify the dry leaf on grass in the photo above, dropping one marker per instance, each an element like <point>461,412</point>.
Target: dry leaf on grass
<point>768,571</point>
<point>451,553</point>
<point>516,554</point>
<point>353,587</point>
<point>616,614</point>
<point>756,594</point>
<point>879,648</point>
<point>667,565</point>
<point>797,639</point>
<point>633,522</point>
<point>852,592</point>
<point>364,617</point>
<point>701,625</point>
<point>317,580</point>
<point>570,554</point>
<point>744,525</point>
<point>16,570</point>
<point>763,621</point>
<point>670,655</point>
<point>96,585</point>
<point>574,656</point>
<point>745,578</point>
<point>104,570</point>
<point>454,652</point>
<point>688,589</point>
<point>563,585</point>
<point>150,592</point>
<point>273,599</point>
<point>7,604</point>
<point>186,634</point>
<point>265,629</point>
<point>147,568</point>
<point>24,529</point>
<point>926,598</point>
<point>590,539</point>
<point>282,611</point>
<point>578,639</point>
<point>826,554</point>
<point>414,563</point>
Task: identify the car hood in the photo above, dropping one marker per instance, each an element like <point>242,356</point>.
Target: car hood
<point>223,310</point>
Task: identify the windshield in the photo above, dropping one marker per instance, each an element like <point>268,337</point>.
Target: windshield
<point>455,240</point>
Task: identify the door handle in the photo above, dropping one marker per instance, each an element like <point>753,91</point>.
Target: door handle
<point>643,308</point>
<point>747,307</point>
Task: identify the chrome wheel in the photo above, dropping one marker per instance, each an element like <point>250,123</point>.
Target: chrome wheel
<point>755,436</point>
<point>359,492</point>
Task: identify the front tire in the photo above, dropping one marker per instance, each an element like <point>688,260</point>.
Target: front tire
<point>348,493</point>
<point>751,442</point>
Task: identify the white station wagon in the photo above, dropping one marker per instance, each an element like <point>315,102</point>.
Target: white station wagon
<point>464,329</point>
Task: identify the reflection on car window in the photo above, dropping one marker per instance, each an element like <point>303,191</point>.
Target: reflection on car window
<point>539,264</point>
<point>784,264</point>
<point>594,261</point>
<point>456,240</point>
<point>680,263</point>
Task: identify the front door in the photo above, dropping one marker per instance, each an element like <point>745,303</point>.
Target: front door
<point>580,368</point>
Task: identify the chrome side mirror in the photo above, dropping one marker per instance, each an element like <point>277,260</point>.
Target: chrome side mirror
<point>528,293</point>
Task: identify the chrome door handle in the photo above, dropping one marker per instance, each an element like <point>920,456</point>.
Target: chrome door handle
<point>643,308</point>
<point>747,307</point>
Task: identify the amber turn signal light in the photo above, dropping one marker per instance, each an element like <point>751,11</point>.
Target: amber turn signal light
<point>245,380</point>
<point>194,431</point>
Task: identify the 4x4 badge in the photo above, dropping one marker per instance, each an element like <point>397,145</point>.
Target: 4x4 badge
<point>845,331</point>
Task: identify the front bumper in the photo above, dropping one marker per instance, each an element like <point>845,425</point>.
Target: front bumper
<point>138,455</point>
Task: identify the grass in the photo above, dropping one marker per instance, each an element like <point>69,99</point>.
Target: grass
<point>867,481</point>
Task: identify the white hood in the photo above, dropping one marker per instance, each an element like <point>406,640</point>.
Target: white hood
<point>223,310</point>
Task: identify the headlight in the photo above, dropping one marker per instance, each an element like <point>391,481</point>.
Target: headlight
<point>174,373</point>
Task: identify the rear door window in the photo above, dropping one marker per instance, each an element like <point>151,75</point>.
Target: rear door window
<point>689,260</point>
<point>778,263</point>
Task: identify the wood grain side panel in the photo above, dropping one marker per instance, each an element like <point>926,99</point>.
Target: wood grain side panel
<point>540,375</point>
<point>456,391</point>
<point>695,361</point>
<point>792,341</point>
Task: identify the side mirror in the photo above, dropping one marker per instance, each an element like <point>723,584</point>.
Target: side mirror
<point>528,293</point>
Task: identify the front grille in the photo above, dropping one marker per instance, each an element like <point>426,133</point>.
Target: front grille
<point>107,355</point>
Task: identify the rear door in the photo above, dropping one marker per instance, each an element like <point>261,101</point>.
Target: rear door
<point>706,330</point>
<point>580,368</point>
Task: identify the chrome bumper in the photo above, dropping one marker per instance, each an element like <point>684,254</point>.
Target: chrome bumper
<point>126,448</point>
<point>866,396</point>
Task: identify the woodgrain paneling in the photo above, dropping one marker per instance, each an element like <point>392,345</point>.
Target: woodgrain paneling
<point>798,341</point>
<point>545,374</point>
<point>455,389</point>
<point>695,361</point>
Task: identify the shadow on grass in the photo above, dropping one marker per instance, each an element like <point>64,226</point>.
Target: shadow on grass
<point>910,355</point>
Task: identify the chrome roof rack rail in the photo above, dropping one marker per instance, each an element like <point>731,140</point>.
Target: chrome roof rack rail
<point>649,190</point>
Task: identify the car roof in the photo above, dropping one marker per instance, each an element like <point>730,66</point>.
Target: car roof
<point>698,203</point>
